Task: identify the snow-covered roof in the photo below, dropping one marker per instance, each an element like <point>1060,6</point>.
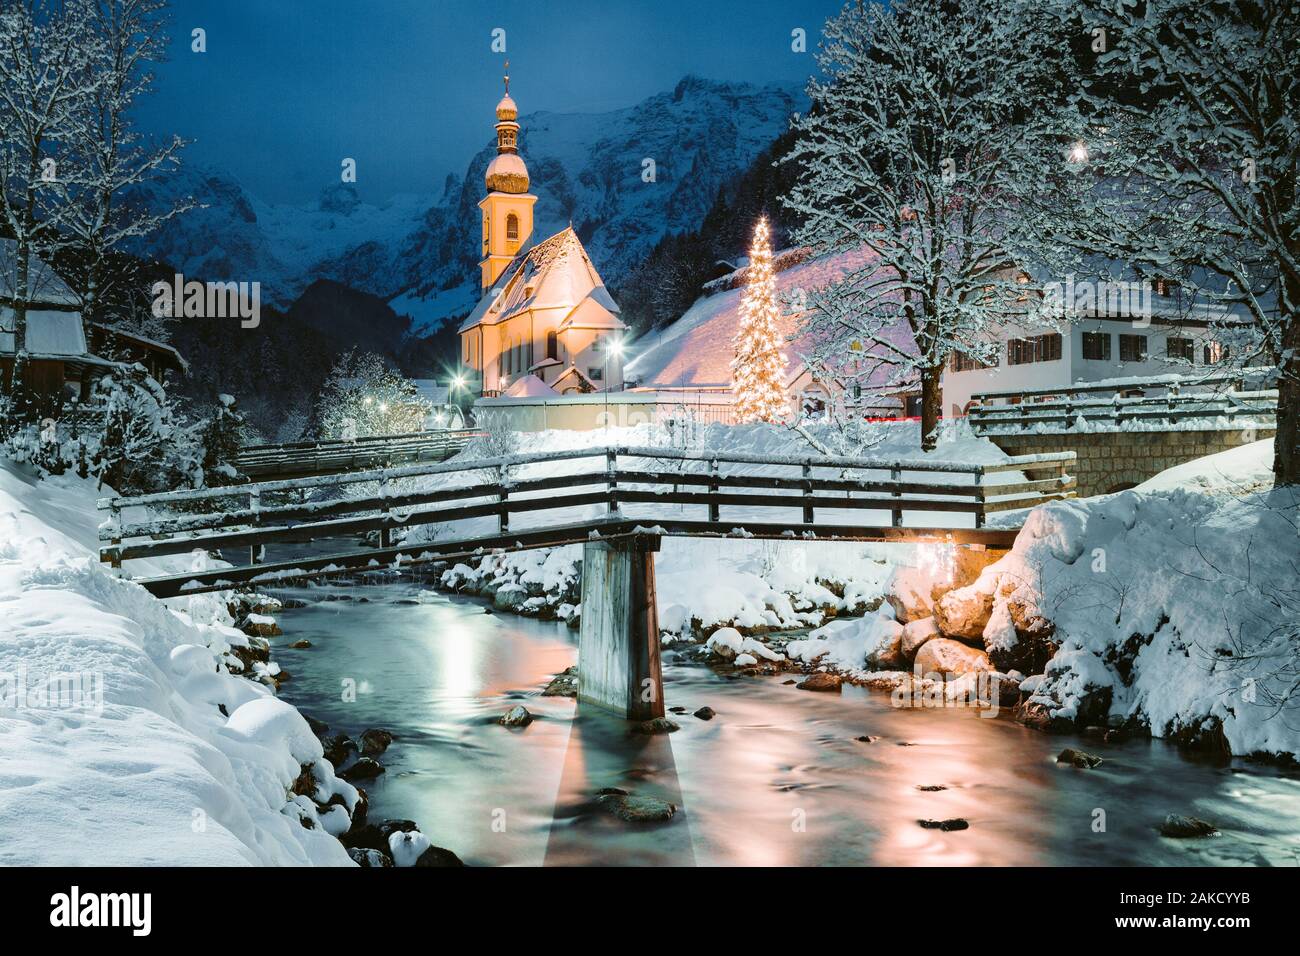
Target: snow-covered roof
<point>553,274</point>
<point>530,386</point>
<point>431,391</point>
<point>49,333</point>
<point>45,285</point>
<point>697,349</point>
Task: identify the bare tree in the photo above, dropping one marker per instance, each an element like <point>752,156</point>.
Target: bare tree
<point>111,156</point>
<point>1193,167</point>
<point>45,52</point>
<point>934,120</point>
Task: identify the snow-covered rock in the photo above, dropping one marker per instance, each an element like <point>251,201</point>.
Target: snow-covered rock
<point>942,655</point>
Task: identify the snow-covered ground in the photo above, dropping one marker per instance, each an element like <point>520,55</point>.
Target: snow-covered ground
<point>116,749</point>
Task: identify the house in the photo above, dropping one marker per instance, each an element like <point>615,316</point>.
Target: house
<point>692,356</point>
<point>544,311</point>
<point>64,357</point>
<point>1119,331</point>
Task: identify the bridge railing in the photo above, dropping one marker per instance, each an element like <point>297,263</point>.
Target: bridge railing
<point>694,493</point>
<point>1235,409</point>
<point>336,455</point>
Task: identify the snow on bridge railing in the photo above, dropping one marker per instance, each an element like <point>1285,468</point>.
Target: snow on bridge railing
<point>1207,410</point>
<point>281,511</point>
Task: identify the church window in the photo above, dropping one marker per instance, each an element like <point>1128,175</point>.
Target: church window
<point>552,345</point>
<point>512,227</point>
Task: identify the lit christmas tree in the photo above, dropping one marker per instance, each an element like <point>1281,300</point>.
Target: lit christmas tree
<point>758,370</point>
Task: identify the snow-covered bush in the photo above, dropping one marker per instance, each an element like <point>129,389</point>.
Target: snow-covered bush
<point>221,436</point>
<point>144,445</point>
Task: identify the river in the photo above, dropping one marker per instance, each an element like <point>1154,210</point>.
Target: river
<point>777,778</point>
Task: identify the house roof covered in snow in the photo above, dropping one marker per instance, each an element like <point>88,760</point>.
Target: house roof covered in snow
<point>45,285</point>
<point>696,351</point>
<point>553,274</point>
<point>50,333</point>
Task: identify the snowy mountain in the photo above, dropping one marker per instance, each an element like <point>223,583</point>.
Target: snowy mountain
<point>420,252</point>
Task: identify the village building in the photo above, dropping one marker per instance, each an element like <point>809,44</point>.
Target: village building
<point>545,324</point>
<point>65,355</point>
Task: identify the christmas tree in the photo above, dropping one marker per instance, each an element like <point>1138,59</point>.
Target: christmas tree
<point>758,370</point>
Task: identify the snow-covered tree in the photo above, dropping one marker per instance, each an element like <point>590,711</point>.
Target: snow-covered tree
<point>1192,170</point>
<point>759,369</point>
<point>44,72</point>
<point>362,396</point>
<point>932,122</point>
<point>109,156</point>
<point>145,446</point>
<point>221,437</point>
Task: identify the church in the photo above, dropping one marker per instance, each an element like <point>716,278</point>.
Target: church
<point>546,324</point>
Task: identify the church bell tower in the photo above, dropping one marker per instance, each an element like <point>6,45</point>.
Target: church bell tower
<point>508,206</point>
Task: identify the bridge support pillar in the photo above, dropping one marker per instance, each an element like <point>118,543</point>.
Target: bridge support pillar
<point>618,642</point>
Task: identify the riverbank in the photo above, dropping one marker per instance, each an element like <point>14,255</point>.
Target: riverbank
<point>128,728</point>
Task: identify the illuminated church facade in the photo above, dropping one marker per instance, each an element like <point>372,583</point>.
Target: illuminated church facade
<point>545,323</point>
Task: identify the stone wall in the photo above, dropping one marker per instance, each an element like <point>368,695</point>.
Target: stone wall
<point>1112,461</point>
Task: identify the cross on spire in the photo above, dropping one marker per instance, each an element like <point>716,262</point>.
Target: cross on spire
<point>507,77</point>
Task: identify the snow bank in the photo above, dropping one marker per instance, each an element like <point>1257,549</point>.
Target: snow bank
<point>140,765</point>
<point>1174,604</point>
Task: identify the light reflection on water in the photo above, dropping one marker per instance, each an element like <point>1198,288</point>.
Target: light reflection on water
<point>775,779</point>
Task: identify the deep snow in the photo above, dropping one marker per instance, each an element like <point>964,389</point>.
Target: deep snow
<point>144,768</point>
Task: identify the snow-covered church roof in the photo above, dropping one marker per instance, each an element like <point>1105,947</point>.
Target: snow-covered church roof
<point>696,351</point>
<point>553,274</point>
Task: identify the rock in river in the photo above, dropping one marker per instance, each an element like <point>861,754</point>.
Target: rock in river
<point>1177,825</point>
<point>821,681</point>
<point>706,713</point>
<point>364,769</point>
<point>660,725</point>
<point>517,716</point>
<point>956,823</point>
<point>633,809</point>
<point>375,741</point>
<point>1077,758</point>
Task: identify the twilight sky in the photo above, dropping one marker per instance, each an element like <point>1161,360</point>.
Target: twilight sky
<point>287,88</point>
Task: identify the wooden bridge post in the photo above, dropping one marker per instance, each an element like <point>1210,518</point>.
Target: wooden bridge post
<point>715,513</point>
<point>808,514</point>
<point>896,514</point>
<point>618,641</point>
<point>503,513</point>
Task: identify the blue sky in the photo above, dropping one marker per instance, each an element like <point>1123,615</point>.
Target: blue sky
<point>287,88</point>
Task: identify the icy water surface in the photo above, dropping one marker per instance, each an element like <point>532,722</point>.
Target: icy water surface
<point>775,779</point>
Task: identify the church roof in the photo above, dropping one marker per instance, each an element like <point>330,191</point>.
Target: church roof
<point>553,274</point>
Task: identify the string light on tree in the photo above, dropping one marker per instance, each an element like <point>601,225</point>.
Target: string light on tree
<point>759,368</point>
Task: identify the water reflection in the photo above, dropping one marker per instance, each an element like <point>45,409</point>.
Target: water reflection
<point>776,779</point>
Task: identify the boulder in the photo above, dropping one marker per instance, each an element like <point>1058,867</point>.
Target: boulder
<point>1177,825</point>
<point>301,645</point>
<point>510,597</point>
<point>369,859</point>
<point>956,823</point>
<point>705,713</point>
<point>1077,758</point>
<point>318,727</point>
<point>339,748</point>
<point>516,716</point>
<point>563,684</point>
<point>964,613</point>
<point>887,654</point>
<point>375,741</point>
<point>941,655</point>
<point>636,809</point>
<point>660,725</point>
<point>821,681</point>
<point>438,856</point>
<point>725,642</point>
<point>364,769</point>
<point>909,594</point>
<point>916,633</point>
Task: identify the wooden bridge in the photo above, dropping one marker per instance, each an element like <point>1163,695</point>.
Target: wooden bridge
<point>616,502</point>
<point>301,459</point>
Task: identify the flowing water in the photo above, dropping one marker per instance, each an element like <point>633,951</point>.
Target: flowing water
<point>776,778</point>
